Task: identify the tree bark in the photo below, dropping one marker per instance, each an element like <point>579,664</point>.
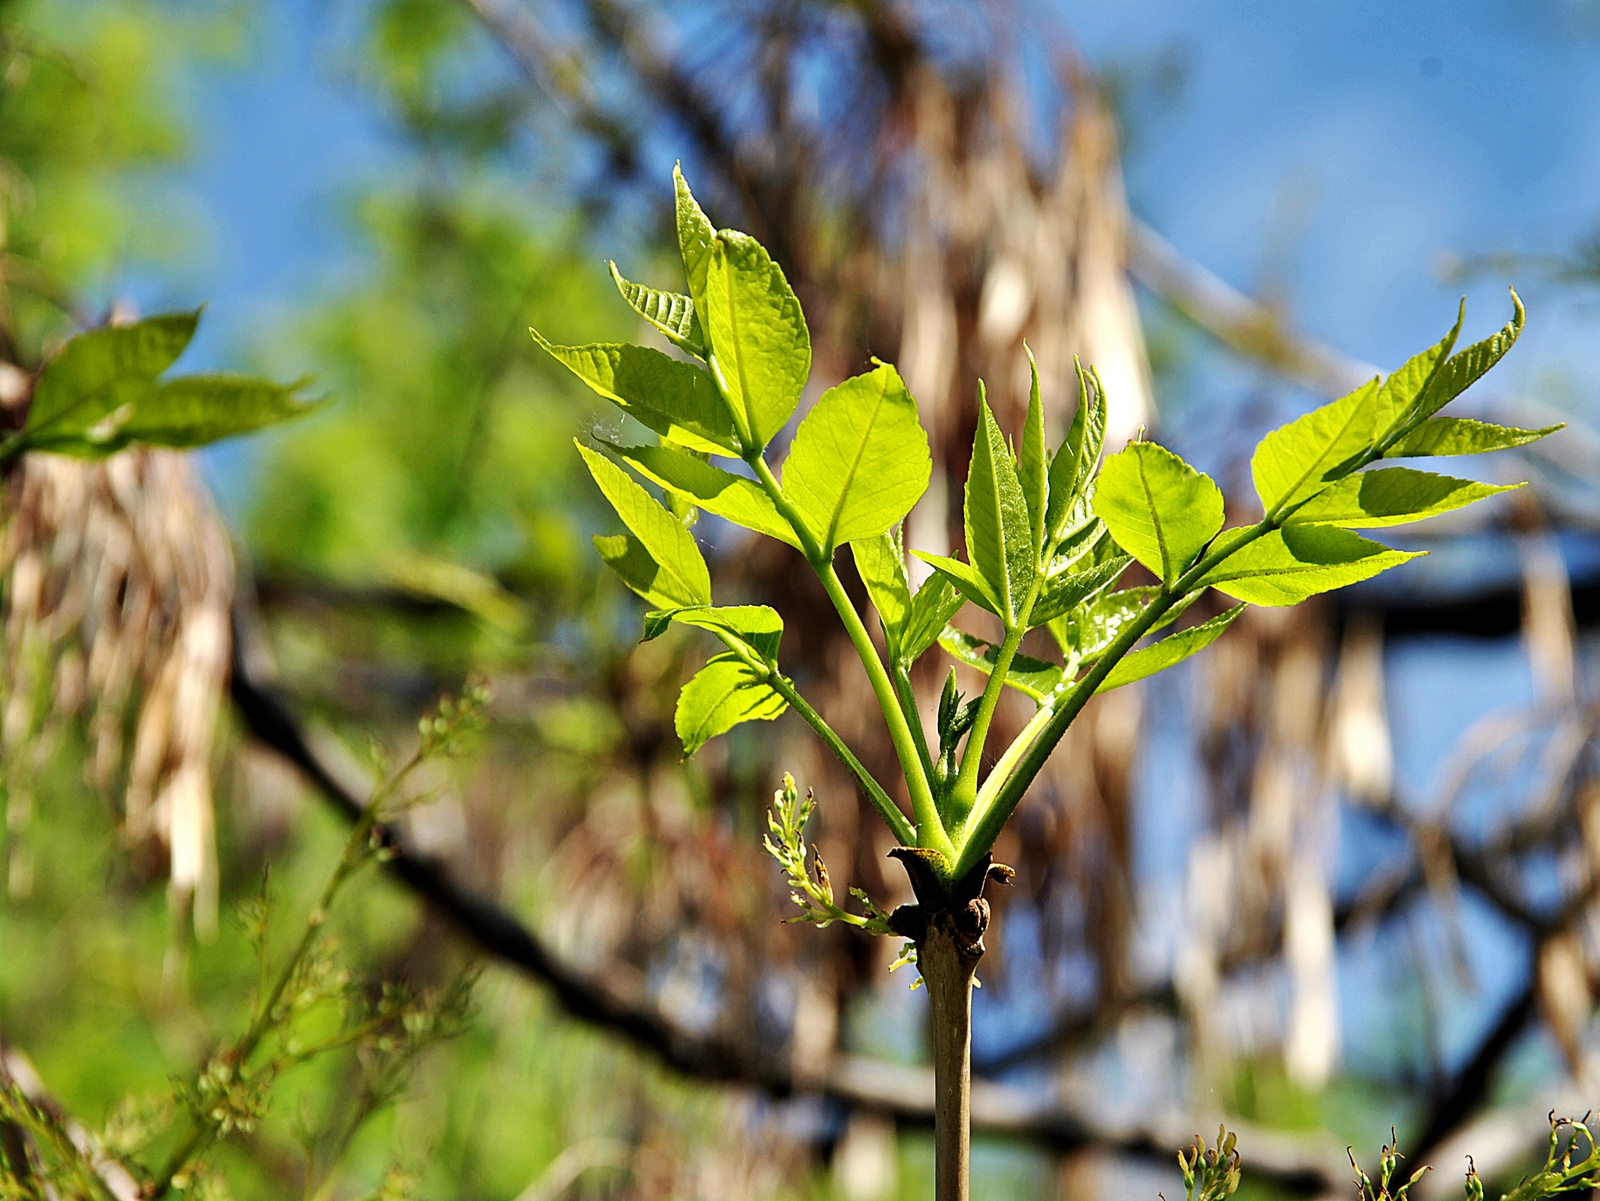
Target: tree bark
<point>947,965</point>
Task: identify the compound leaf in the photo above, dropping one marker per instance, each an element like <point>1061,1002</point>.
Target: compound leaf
<point>675,575</point>
<point>1299,459</point>
<point>1286,566</point>
<point>725,692</point>
<point>859,460</point>
<point>1462,436</point>
<point>1391,496</point>
<point>1170,650</point>
<point>677,400</point>
<point>670,312</point>
<point>760,346</point>
<point>1158,508</point>
<point>731,497</point>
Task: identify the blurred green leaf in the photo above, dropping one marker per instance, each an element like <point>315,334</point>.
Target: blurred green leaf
<point>98,372</point>
<point>196,410</point>
<point>859,460</point>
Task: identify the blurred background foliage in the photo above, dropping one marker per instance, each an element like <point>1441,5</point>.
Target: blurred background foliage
<point>1227,904</point>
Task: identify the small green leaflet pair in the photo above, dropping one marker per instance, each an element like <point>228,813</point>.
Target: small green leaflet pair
<point>1048,536</point>
<point>104,391</point>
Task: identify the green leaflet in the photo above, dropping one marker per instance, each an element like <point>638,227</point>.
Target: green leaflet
<point>1084,634</point>
<point>676,400</point>
<point>1400,392</point>
<point>1033,677</point>
<point>1461,371</point>
<point>725,692</point>
<point>999,533</point>
<point>98,372</point>
<point>964,578</point>
<point>756,626</point>
<point>732,497</point>
<point>881,563</point>
<point>1069,589</point>
<point>1034,465</point>
<point>935,603</point>
<point>670,312</point>
<point>1288,565</point>
<point>676,574</point>
<point>1462,436</point>
<point>1391,496</point>
<point>1158,508</point>
<point>760,346</point>
<point>859,460</point>
<point>195,410</point>
<point>694,238</point>
<point>1172,649</point>
<point>1072,469</point>
<point>1299,459</point>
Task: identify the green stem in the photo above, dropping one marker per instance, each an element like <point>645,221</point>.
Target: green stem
<point>908,706</point>
<point>964,793</point>
<point>989,819</point>
<point>930,831</point>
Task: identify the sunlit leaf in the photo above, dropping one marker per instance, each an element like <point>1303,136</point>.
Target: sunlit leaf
<point>1033,467</point>
<point>760,346</point>
<point>1286,566</point>
<point>757,626</point>
<point>935,603</point>
<point>1170,650</point>
<point>1069,589</point>
<point>965,578</point>
<point>859,460</point>
<point>1073,466</point>
<point>1397,398</point>
<point>722,694</point>
<point>1158,508</point>
<point>1391,496</point>
<point>677,400</point>
<point>670,312</point>
<point>1461,371</point>
<point>999,537</point>
<point>676,575</point>
<point>881,563</point>
<point>1462,436</point>
<point>1301,458</point>
<point>694,239</point>
<point>732,497</point>
<point>1033,677</point>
